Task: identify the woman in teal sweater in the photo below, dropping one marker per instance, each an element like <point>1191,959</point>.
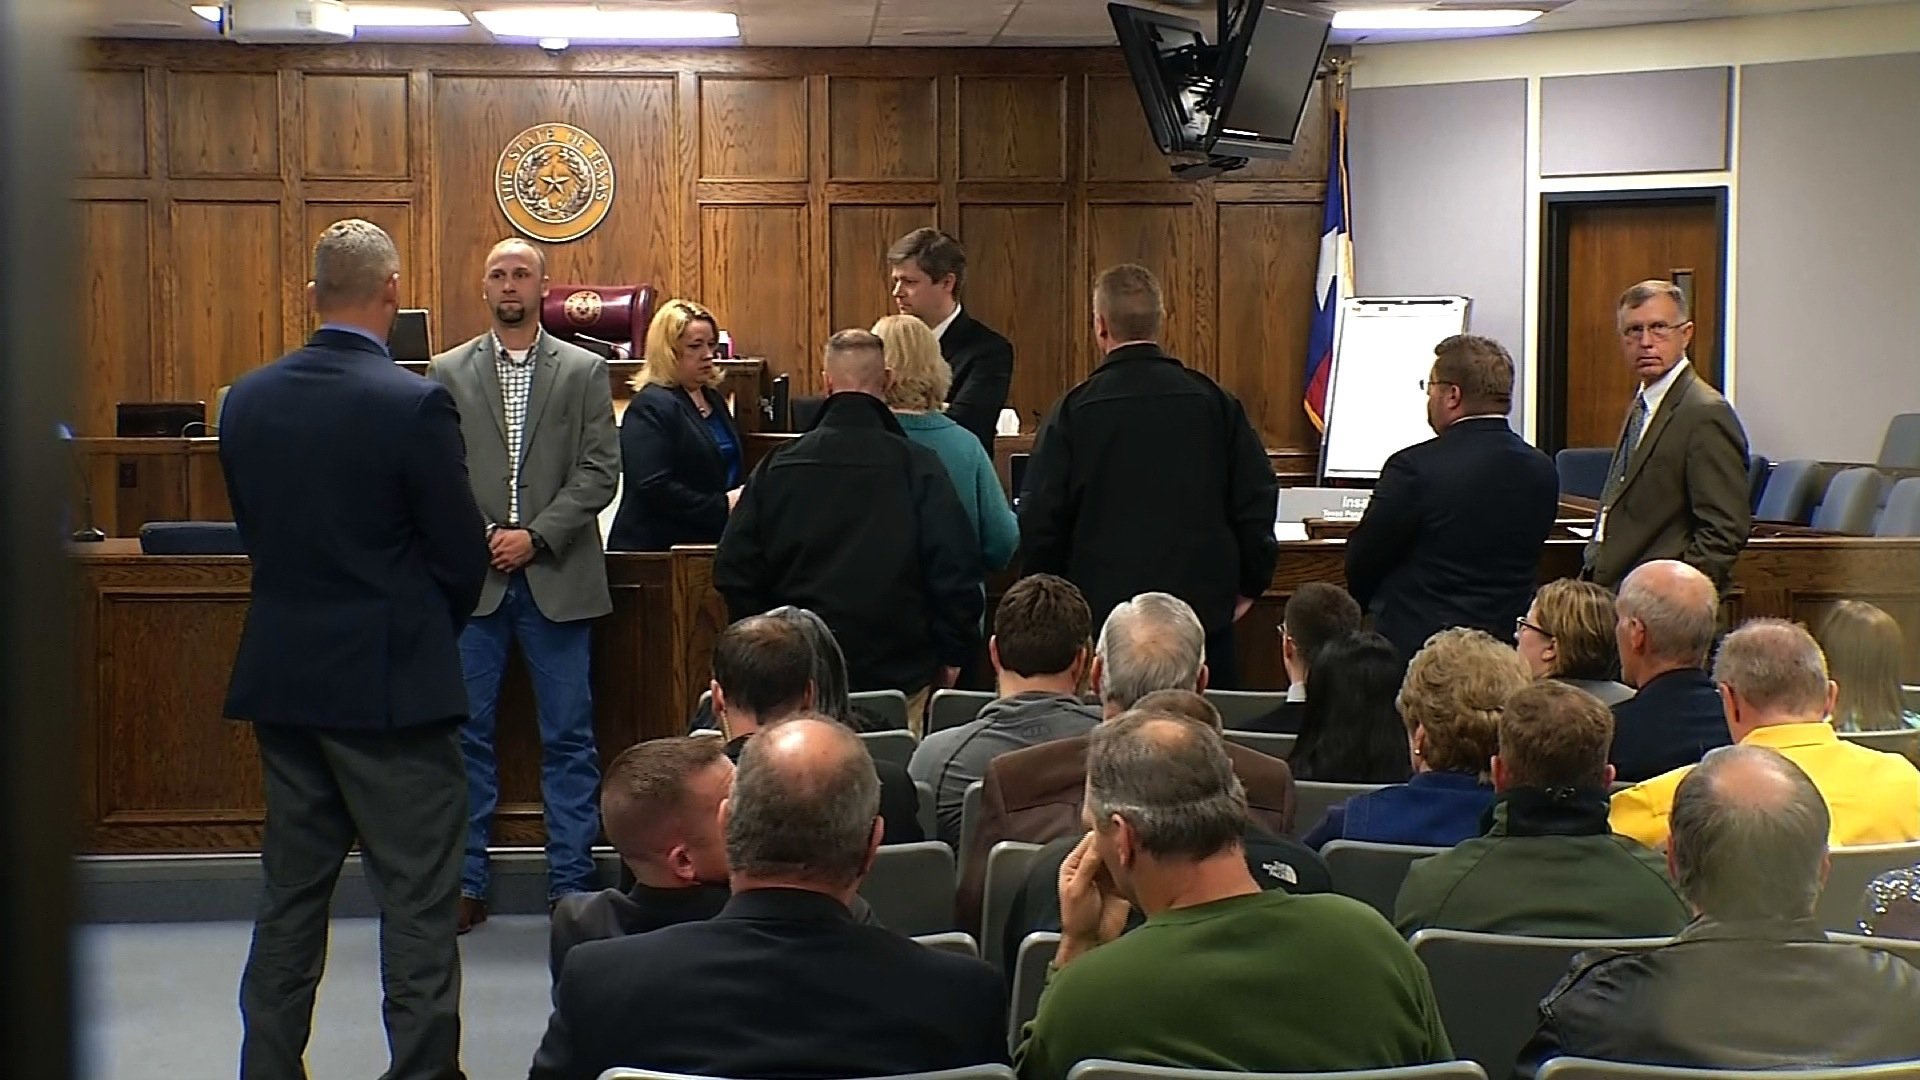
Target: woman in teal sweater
<point>916,395</point>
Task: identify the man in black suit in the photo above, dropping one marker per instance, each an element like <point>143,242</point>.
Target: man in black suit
<point>927,269</point>
<point>1453,532</point>
<point>1147,477</point>
<point>1668,613</point>
<point>1316,614</point>
<point>783,982</point>
<point>348,481</point>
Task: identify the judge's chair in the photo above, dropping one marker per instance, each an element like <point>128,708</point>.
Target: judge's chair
<point>607,319</point>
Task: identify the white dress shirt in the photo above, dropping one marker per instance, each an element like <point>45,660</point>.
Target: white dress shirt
<point>940,328</point>
<point>1655,394</point>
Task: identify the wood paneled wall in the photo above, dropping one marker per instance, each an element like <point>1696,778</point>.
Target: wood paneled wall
<point>765,183</point>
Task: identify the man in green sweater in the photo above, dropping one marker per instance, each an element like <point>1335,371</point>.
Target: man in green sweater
<point>1222,975</point>
<point>1549,865</point>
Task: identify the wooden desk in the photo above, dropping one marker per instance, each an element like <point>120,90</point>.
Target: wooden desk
<point>160,771</point>
<point>134,481</point>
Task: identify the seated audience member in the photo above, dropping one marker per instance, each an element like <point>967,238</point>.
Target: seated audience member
<point>1774,686</point>
<point>1549,865</point>
<point>769,667</point>
<point>1752,983</point>
<point>1276,862</point>
<point>1351,731</point>
<point>1042,647</point>
<point>1316,614</point>
<point>1450,706</point>
<point>861,525</point>
<point>1151,642</point>
<point>1667,613</point>
<point>1223,975</point>
<point>1866,651</point>
<point>1567,635</point>
<point>782,982</point>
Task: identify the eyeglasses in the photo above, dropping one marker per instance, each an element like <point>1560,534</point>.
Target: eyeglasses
<point>1659,331</point>
<point>1521,623</point>
<point>1426,383</point>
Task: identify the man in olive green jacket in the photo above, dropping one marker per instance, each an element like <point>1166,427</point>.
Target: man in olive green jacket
<point>1549,866</point>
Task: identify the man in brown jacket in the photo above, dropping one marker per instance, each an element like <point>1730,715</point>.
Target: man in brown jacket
<point>1677,486</point>
<point>1151,642</point>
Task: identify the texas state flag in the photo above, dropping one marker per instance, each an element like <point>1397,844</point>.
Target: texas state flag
<point>1334,283</point>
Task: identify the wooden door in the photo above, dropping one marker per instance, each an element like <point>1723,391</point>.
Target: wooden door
<point>1603,247</point>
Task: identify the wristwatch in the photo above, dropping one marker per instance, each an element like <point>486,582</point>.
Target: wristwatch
<point>539,543</point>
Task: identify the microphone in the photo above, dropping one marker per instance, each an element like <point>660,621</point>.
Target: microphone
<point>88,533</point>
<point>186,429</point>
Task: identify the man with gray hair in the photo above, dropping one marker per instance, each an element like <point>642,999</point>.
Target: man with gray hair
<point>1667,613</point>
<point>859,524</point>
<point>1774,692</point>
<point>1153,641</point>
<point>348,480</point>
<point>1164,816</point>
<point>1752,982</point>
<point>783,982</point>
<point>1676,487</point>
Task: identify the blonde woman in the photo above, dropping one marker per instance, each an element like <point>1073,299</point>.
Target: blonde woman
<point>1864,652</point>
<point>1450,702</point>
<point>679,449</point>
<point>920,382</point>
<point>1567,635</point>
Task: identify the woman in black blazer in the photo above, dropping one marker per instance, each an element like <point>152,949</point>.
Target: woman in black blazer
<point>680,452</point>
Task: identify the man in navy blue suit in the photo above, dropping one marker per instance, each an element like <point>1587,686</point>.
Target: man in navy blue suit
<point>348,480</point>
<point>1452,535</point>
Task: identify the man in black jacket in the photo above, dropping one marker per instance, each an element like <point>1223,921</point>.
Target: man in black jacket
<point>1668,612</point>
<point>859,525</point>
<point>783,982</point>
<point>927,269</point>
<point>1147,477</point>
<point>1453,532</point>
<point>349,485</point>
<point>1752,982</point>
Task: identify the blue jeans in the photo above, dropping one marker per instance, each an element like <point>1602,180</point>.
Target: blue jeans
<point>557,656</point>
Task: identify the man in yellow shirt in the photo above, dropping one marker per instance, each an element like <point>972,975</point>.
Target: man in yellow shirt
<point>1774,687</point>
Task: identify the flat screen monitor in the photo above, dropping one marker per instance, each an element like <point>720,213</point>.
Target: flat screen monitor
<point>159,419</point>
<point>1158,48</point>
<point>1266,76</point>
<point>410,340</point>
<point>1017,475</point>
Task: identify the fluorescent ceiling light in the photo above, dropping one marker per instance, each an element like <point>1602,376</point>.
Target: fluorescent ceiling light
<point>595,24</point>
<point>1432,18</point>
<point>209,12</point>
<point>370,15</point>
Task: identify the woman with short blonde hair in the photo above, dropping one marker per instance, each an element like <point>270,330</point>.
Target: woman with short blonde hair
<point>915,394</point>
<point>1568,635</point>
<point>1865,650</point>
<point>680,453</point>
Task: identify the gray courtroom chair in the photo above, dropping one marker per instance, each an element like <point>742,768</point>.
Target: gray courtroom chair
<point>1272,743</point>
<point>1489,986</point>
<point>1583,470</point>
<point>1239,706</point>
<point>1099,1069</point>
<point>951,708</point>
<point>928,815</point>
<point>1577,1068</point>
<point>1903,947</point>
<point>1311,798</point>
<point>1910,696</point>
<point>1901,515</point>
<point>1895,741</point>
<point>888,705</point>
<point>1371,873</point>
<point>1901,447</point>
<point>1007,866</point>
<point>1792,489</point>
<point>1852,867</point>
<point>911,886</point>
<point>895,744</point>
<point>971,1072</point>
<point>970,820</point>
<point>1029,978</point>
<point>1852,499</point>
<point>956,942</point>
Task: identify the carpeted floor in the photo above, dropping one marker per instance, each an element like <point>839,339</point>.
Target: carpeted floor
<point>158,1000</point>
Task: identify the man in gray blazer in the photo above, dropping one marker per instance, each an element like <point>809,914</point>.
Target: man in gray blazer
<point>1677,485</point>
<point>544,457</point>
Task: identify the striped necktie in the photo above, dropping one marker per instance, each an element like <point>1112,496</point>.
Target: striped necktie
<point>1617,468</point>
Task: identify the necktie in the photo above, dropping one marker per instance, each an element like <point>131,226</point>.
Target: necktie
<point>1617,468</point>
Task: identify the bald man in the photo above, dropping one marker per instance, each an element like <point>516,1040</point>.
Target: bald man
<point>1666,616</point>
<point>544,458</point>
<point>863,527</point>
<point>784,963</point>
